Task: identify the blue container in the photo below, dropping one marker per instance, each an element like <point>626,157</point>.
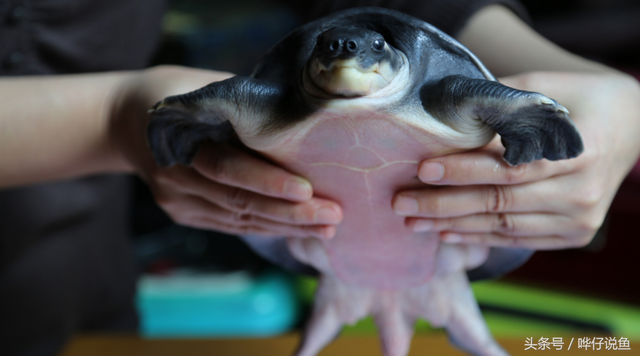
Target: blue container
<point>192,304</point>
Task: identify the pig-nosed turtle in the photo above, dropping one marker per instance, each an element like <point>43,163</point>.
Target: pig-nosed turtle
<point>353,102</point>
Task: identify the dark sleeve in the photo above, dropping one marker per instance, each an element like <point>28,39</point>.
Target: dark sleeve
<point>447,15</point>
<point>77,36</point>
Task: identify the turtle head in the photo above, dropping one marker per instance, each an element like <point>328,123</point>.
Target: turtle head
<point>352,61</point>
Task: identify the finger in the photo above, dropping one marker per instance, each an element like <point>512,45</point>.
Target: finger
<point>486,166</point>
<point>532,242</point>
<point>315,211</point>
<point>230,166</point>
<point>208,224</point>
<point>322,232</point>
<point>503,224</point>
<point>453,201</point>
<point>197,212</point>
<point>562,195</point>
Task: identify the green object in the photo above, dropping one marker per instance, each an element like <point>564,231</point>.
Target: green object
<point>527,310</point>
<point>513,310</point>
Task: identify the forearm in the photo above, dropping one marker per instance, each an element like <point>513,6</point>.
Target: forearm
<point>508,46</point>
<point>57,127</point>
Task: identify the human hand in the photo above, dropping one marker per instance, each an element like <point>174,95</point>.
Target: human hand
<point>477,198</point>
<point>226,188</point>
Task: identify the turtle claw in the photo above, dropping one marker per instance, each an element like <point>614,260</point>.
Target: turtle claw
<point>563,109</point>
<point>548,101</point>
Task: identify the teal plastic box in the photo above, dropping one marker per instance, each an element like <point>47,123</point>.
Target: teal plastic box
<point>187,303</point>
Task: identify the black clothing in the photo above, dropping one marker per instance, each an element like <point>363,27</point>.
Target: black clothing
<point>447,15</point>
<point>76,36</point>
<point>65,259</point>
<point>66,263</point>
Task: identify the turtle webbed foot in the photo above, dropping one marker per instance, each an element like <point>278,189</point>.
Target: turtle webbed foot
<point>539,127</point>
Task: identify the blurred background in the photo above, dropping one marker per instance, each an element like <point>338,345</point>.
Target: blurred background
<point>197,283</point>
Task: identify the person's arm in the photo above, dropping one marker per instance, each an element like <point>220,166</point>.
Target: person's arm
<point>543,204</point>
<point>508,46</point>
<point>62,127</point>
<point>56,127</point>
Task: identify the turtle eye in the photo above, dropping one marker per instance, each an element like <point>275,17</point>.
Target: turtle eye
<point>377,45</point>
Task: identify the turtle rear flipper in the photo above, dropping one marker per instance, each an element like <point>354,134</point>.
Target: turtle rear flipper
<point>531,125</point>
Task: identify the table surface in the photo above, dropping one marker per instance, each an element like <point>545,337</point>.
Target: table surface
<point>436,345</point>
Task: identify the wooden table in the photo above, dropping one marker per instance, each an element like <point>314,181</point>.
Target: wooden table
<point>432,345</point>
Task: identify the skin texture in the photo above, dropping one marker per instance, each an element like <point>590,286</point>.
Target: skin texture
<point>543,204</point>
<point>37,145</point>
<point>109,113</point>
<point>217,191</point>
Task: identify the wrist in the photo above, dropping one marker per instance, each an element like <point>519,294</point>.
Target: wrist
<point>125,109</point>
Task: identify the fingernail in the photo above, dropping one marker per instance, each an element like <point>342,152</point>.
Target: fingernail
<point>326,216</point>
<point>452,238</point>
<point>328,232</point>
<point>431,172</point>
<point>405,206</point>
<point>423,225</point>
<point>298,189</point>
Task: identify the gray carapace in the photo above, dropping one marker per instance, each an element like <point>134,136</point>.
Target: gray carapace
<point>443,79</point>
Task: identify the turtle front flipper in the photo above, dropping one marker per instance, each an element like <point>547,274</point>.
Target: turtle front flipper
<point>531,125</point>
<point>179,124</point>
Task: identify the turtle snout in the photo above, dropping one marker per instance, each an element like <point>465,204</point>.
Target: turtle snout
<point>350,62</point>
<point>343,46</point>
<point>339,46</point>
<point>342,43</point>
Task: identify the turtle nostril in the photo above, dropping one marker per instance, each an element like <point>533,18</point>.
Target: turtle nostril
<point>335,46</point>
<point>352,45</point>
